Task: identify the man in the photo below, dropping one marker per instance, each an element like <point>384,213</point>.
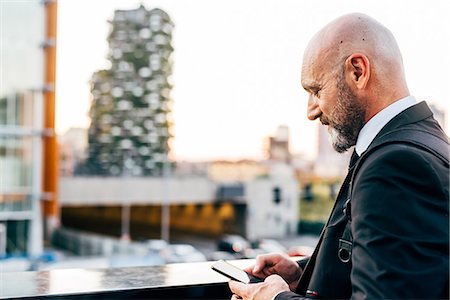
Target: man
<point>392,241</point>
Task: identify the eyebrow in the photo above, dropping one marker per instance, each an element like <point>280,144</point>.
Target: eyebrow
<point>311,86</point>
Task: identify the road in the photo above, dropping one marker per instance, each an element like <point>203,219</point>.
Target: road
<point>208,245</point>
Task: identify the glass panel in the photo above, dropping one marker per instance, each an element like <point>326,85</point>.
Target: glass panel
<point>22,35</point>
<point>16,161</point>
<point>17,109</point>
<point>15,173</point>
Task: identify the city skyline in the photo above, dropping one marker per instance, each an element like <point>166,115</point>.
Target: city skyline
<point>237,66</point>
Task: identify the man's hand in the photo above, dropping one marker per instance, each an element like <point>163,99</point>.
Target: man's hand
<point>275,263</point>
<point>273,285</point>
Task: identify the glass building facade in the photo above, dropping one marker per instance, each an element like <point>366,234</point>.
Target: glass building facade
<point>22,69</point>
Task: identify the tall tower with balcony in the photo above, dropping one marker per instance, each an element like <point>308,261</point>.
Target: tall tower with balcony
<point>131,104</point>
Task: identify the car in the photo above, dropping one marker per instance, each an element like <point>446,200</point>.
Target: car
<point>253,252</point>
<point>224,255</point>
<point>155,245</point>
<point>270,246</point>
<point>233,243</point>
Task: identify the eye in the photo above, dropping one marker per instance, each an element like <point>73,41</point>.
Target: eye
<point>316,93</point>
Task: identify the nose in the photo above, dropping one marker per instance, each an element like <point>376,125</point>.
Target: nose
<point>313,111</point>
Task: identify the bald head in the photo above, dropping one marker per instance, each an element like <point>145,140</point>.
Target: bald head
<point>357,33</point>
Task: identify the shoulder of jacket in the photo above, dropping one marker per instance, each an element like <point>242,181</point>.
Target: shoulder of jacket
<point>392,155</point>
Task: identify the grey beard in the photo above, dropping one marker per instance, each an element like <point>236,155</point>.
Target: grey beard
<point>347,119</point>
<point>341,142</point>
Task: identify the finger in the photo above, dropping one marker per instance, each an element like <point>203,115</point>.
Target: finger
<point>265,262</point>
<point>249,269</point>
<point>237,288</point>
<point>261,262</point>
<point>268,271</point>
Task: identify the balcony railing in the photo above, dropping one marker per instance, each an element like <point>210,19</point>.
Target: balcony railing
<point>172,281</point>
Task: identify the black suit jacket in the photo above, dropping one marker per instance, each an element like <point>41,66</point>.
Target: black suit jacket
<point>400,224</point>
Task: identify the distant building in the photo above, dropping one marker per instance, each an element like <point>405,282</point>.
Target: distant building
<point>229,171</point>
<point>439,115</point>
<point>329,163</point>
<point>131,104</point>
<point>278,145</point>
<point>191,169</point>
<point>72,150</point>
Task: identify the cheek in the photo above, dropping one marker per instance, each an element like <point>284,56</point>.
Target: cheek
<point>327,102</point>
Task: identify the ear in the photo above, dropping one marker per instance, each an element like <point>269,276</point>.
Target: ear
<point>357,70</point>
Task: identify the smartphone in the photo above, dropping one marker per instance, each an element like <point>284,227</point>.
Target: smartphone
<point>234,272</point>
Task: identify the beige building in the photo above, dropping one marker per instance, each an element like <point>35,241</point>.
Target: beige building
<point>72,150</point>
<point>329,163</point>
<point>231,171</point>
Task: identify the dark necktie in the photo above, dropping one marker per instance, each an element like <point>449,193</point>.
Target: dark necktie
<point>354,158</point>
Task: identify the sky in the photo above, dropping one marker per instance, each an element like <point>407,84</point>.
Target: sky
<point>236,71</point>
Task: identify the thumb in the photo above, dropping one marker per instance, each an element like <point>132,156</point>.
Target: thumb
<point>236,287</point>
<point>257,268</point>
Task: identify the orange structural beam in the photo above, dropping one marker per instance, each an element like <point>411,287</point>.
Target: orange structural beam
<point>50,145</point>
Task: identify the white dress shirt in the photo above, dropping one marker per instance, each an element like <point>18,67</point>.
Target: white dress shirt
<point>377,122</point>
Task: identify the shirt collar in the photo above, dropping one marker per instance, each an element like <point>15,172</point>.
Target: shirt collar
<point>377,122</point>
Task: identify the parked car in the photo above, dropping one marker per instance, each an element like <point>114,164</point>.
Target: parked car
<point>270,245</point>
<point>155,245</point>
<point>218,255</point>
<point>233,243</point>
<point>253,252</point>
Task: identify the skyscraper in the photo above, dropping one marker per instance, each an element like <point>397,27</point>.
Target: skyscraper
<point>279,145</point>
<point>329,163</point>
<point>130,111</point>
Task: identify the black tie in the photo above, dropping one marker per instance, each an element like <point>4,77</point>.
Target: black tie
<point>353,159</point>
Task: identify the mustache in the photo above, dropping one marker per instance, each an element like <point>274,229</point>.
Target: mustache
<point>324,120</point>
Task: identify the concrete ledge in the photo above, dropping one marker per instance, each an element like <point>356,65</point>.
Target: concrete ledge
<point>173,281</point>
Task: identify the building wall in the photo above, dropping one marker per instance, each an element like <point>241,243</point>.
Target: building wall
<point>90,191</point>
<point>268,216</point>
<point>95,203</point>
<point>24,43</point>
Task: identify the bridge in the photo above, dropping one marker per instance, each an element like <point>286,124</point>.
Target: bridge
<point>197,205</point>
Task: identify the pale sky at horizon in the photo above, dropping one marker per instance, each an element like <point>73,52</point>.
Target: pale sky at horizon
<point>236,70</point>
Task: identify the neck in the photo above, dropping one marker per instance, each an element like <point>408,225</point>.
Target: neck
<point>381,100</point>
